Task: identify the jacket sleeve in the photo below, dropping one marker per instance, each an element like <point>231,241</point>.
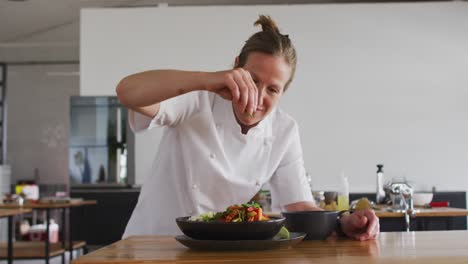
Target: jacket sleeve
<point>289,183</point>
<point>172,112</point>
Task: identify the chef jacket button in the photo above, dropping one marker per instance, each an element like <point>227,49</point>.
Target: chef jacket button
<point>212,155</point>
<point>218,126</point>
<point>257,183</point>
<point>194,187</point>
<point>266,142</point>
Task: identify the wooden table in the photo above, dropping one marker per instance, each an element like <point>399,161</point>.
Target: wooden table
<point>391,247</point>
<point>49,250</point>
<point>10,213</point>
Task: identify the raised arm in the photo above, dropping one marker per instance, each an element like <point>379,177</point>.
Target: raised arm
<point>142,92</point>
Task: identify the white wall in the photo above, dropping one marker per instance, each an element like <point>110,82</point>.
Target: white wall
<point>38,121</point>
<point>375,82</point>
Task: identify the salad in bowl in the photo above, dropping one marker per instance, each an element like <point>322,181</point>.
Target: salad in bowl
<point>237,222</point>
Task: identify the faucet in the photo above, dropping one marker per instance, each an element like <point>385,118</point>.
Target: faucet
<point>402,198</point>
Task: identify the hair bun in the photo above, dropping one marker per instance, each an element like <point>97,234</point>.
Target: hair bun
<point>267,24</point>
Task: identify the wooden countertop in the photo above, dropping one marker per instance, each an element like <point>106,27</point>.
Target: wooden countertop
<point>420,212</point>
<point>30,249</point>
<point>11,212</point>
<point>395,247</point>
<point>426,212</point>
<point>50,205</point>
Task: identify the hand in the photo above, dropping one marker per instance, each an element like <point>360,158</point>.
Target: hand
<point>236,85</point>
<point>361,225</point>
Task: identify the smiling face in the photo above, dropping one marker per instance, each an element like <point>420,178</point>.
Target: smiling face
<point>270,74</point>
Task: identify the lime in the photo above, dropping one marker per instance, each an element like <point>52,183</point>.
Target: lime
<point>363,203</point>
<point>283,233</point>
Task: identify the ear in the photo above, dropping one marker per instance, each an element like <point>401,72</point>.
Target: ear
<point>236,62</point>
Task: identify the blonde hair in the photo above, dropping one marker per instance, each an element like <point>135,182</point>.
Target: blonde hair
<point>270,41</point>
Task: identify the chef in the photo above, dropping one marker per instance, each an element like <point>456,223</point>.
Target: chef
<point>224,137</point>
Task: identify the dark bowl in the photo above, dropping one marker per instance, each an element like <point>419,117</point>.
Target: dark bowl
<point>317,225</point>
<point>230,231</point>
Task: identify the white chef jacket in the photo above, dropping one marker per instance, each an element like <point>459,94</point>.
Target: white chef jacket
<point>204,162</point>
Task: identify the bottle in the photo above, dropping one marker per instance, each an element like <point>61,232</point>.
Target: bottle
<point>343,194</point>
<point>380,193</point>
<point>53,231</point>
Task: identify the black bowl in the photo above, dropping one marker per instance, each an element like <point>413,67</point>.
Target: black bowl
<point>317,225</point>
<point>230,231</point>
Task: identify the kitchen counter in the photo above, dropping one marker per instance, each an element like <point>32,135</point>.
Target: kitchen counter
<point>13,212</point>
<point>48,205</point>
<point>391,247</point>
<point>425,212</point>
<point>383,212</point>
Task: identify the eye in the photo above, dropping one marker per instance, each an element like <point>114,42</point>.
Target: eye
<point>272,89</point>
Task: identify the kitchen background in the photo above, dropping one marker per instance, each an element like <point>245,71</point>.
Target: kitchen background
<point>376,83</point>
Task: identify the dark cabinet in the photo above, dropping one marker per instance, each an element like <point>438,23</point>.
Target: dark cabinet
<point>105,222</point>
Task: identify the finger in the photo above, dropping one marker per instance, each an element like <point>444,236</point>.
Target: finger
<point>251,102</point>
<point>254,91</point>
<point>372,222</point>
<point>256,94</point>
<point>376,231</point>
<point>370,230</point>
<point>233,88</point>
<point>373,227</point>
<point>358,237</point>
<point>363,236</point>
<point>244,92</point>
<point>251,106</point>
<point>359,221</point>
